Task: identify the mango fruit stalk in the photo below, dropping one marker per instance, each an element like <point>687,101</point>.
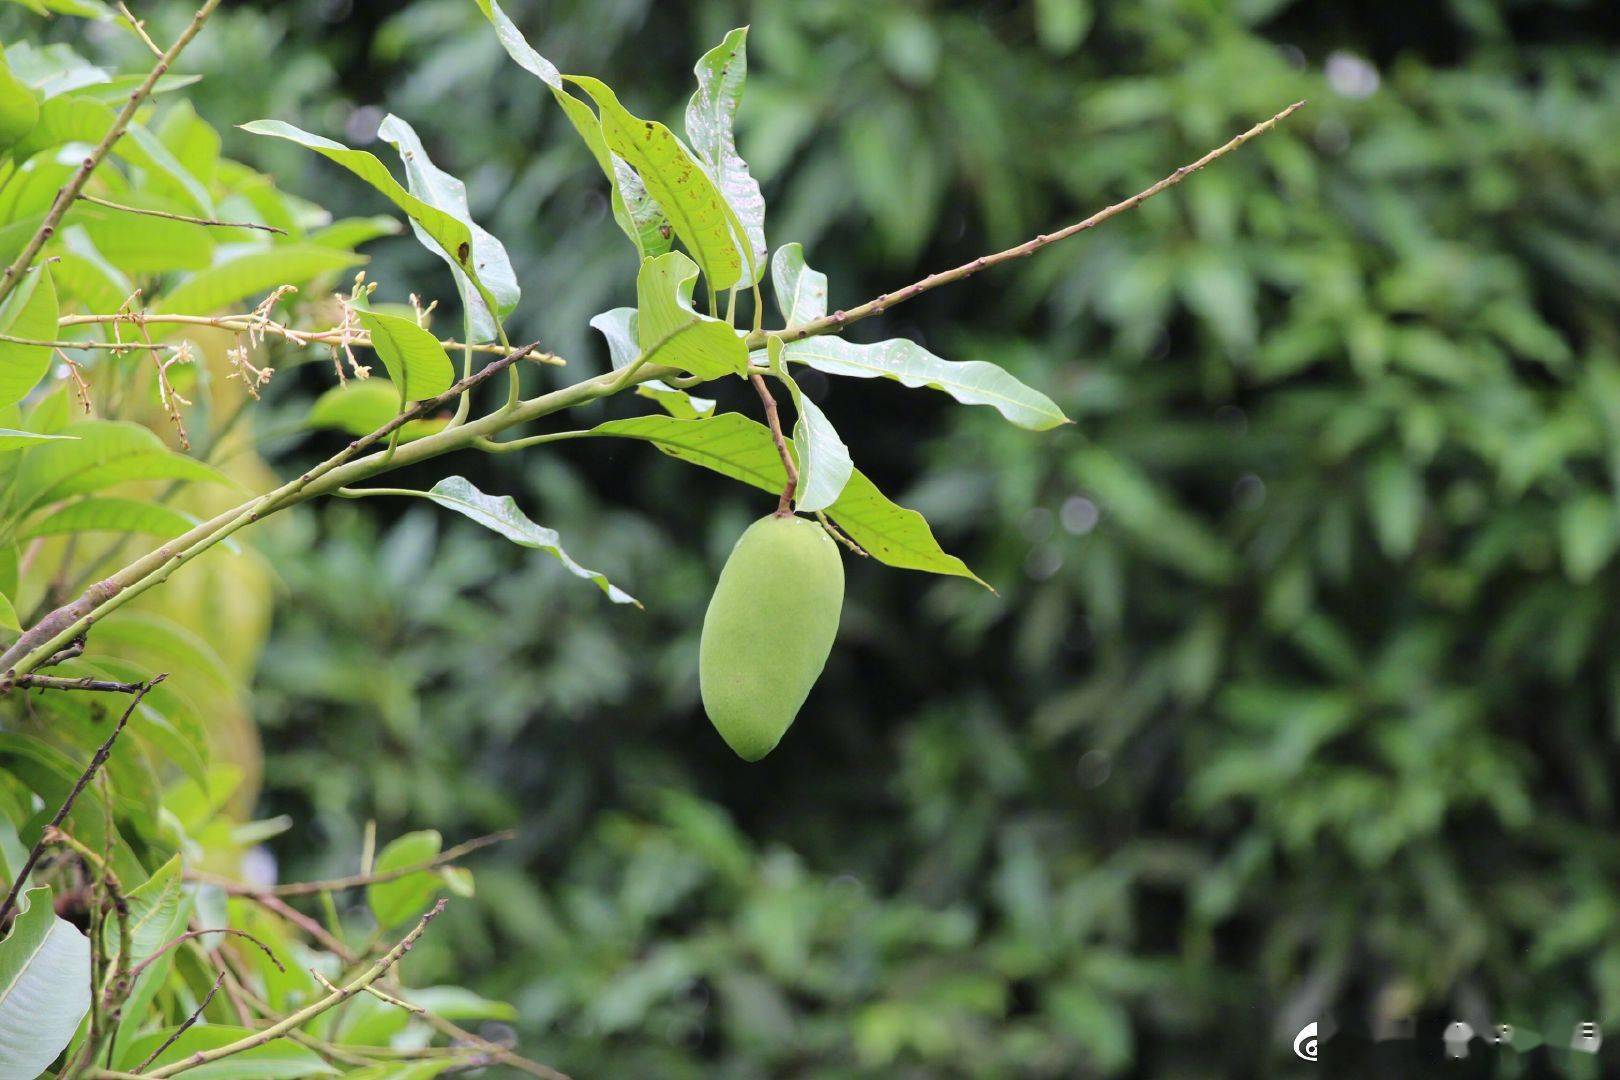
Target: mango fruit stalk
<point>768,630</point>
<point>19,109</point>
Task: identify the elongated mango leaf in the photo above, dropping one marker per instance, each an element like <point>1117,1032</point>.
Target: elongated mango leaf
<point>350,233</point>
<point>671,331</point>
<point>110,515</point>
<point>29,312</point>
<point>278,1059</point>
<point>12,439</point>
<point>44,986</point>
<point>8,615</point>
<point>139,244</point>
<point>96,455</point>
<point>801,293</point>
<point>361,406</point>
<point>83,273</point>
<point>972,383</point>
<point>634,210</point>
<point>823,459</point>
<point>450,235</point>
<point>416,361</point>
<point>435,186</point>
<point>246,272</point>
<point>735,446</point>
<point>501,514</point>
<point>710,125</point>
<point>697,211</point>
<point>618,326</point>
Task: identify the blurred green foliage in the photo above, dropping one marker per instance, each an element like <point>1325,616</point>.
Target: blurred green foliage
<point>1299,696</point>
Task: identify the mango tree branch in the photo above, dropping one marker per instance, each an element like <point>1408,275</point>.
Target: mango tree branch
<point>70,191</point>
<point>840,319</point>
<point>243,324</point>
<point>97,760</point>
<point>309,1012</point>
<point>310,888</point>
<point>71,620</point>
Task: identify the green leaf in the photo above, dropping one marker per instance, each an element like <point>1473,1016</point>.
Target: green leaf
<point>278,1059</point>
<point>83,273</point>
<point>78,118</point>
<point>493,266</point>
<point>98,454</point>
<point>735,446</point>
<point>405,899</point>
<point>29,312</point>
<point>452,237</point>
<point>972,383</point>
<point>501,514</point>
<point>710,125</point>
<point>361,406</point>
<point>12,439</point>
<point>823,459</point>
<point>350,233</point>
<point>671,331</point>
<point>697,211</point>
<point>635,211</point>
<point>801,293</point>
<point>110,515</point>
<point>618,326</point>
<point>140,244</point>
<point>416,361</point>
<point>44,985</point>
<point>1588,535</point>
<point>8,615</point>
<point>1395,501</point>
<point>245,272</point>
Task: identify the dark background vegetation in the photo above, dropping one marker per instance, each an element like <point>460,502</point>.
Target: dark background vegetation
<point>1300,698</point>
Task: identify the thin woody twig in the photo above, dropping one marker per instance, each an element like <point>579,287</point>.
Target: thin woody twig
<point>52,682</point>
<point>784,506</point>
<point>211,222</point>
<point>193,935</point>
<point>298,1019</point>
<point>140,29</point>
<point>185,1025</point>
<point>309,888</point>
<point>96,762</point>
<point>81,176</point>
<point>840,319</point>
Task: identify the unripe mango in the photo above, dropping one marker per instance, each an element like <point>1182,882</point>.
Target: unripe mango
<point>768,630</point>
<point>19,109</point>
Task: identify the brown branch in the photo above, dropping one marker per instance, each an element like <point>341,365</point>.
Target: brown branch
<point>298,1019</point>
<point>184,1026</point>
<point>784,506</point>
<point>309,888</point>
<point>211,222</point>
<point>840,319</point>
<point>51,682</point>
<point>193,935</point>
<point>53,828</point>
<point>81,176</point>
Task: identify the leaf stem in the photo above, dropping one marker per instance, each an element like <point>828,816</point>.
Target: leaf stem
<point>784,506</point>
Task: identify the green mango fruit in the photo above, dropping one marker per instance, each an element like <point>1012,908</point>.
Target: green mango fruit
<point>768,630</point>
<point>19,109</point>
